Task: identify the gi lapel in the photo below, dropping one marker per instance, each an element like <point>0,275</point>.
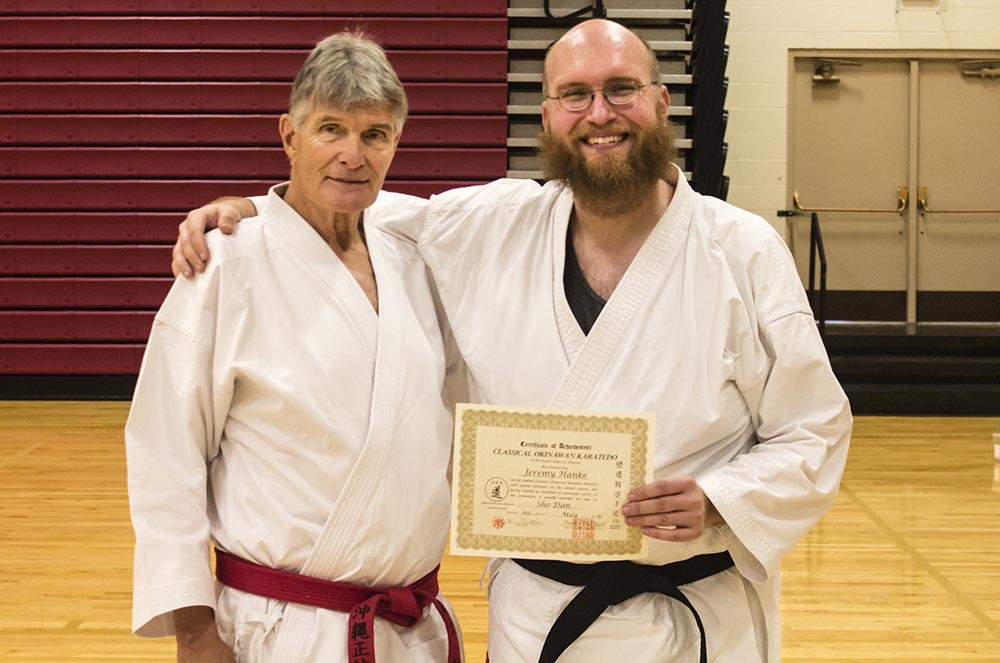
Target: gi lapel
<point>348,515</point>
<point>295,233</point>
<point>591,355</point>
<point>346,520</point>
<point>569,329</point>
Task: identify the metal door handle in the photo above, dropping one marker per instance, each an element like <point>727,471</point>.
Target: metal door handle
<point>902,200</point>
<point>925,209</point>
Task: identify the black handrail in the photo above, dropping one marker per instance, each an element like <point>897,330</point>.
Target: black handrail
<point>815,246</point>
<point>816,242</point>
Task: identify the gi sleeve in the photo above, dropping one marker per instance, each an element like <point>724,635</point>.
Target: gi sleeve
<point>171,436</point>
<point>773,495</point>
<point>260,203</point>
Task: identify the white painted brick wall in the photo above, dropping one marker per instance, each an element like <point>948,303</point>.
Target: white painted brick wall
<point>761,32</point>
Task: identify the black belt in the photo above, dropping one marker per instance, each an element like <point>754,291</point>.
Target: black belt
<point>609,583</point>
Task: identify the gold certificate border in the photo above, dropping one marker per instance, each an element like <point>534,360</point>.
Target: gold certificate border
<point>471,419</point>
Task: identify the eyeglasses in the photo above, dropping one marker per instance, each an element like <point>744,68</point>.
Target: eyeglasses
<point>579,99</point>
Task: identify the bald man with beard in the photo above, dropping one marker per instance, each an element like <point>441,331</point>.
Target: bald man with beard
<point>617,287</point>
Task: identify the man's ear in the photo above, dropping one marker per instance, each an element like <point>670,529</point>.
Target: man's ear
<point>545,114</point>
<point>665,99</point>
<point>286,128</point>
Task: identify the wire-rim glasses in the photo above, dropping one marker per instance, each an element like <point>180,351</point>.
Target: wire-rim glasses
<point>579,99</point>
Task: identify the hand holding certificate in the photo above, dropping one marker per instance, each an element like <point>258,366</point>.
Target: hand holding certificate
<point>547,484</point>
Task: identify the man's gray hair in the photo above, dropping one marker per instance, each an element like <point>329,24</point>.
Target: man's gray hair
<point>348,71</point>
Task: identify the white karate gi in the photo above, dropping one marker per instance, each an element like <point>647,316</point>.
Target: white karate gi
<point>711,330</point>
<point>277,414</point>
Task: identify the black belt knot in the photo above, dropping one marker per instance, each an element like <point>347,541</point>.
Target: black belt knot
<point>609,583</point>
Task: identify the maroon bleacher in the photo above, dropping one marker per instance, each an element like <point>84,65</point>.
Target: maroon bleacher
<point>116,116</point>
<point>171,130</point>
<point>214,64</point>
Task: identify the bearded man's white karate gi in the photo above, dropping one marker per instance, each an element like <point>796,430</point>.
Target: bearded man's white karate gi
<point>710,329</point>
<point>278,415</point>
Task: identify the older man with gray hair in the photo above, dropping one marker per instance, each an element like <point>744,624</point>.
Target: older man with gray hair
<point>272,420</point>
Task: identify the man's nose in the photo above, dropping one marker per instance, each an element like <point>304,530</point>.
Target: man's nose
<point>352,152</point>
<point>600,111</point>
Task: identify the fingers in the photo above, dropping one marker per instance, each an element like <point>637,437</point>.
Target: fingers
<point>665,496</point>
<point>676,525</point>
<point>186,257</point>
<point>662,487</point>
<point>190,253</point>
<point>671,509</point>
<point>192,238</point>
<point>178,264</point>
<point>673,519</point>
<point>227,219</point>
<point>677,535</point>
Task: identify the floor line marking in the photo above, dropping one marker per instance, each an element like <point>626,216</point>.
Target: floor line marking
<point>900,541</point>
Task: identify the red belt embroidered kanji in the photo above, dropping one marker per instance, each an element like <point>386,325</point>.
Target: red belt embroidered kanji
<point>400,605</point>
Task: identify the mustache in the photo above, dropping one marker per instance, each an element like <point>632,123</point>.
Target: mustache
<point>579,133</point>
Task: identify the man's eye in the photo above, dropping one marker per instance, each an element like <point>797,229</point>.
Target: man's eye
<point>575,95</point>
<point>622,89</point>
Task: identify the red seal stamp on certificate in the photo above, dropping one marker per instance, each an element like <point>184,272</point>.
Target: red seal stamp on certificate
<point>583,529</point>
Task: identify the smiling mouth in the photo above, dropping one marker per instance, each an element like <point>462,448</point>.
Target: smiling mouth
<point>604,140</point>
<point>343,181</point>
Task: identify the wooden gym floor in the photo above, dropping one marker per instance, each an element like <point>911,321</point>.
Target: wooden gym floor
<point>904,569</point>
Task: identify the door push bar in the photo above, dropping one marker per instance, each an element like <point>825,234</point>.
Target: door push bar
<point>902,200</point>
<point>925,209</point>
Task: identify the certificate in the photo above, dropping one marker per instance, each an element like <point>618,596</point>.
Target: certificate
<point>547,484</point>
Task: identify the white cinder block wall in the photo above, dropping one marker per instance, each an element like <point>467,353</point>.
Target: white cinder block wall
<point>761,32</point>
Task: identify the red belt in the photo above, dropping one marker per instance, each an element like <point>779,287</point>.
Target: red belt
<point>399,605</point>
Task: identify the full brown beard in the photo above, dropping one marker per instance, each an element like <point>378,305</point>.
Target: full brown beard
<point>611,185</point>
